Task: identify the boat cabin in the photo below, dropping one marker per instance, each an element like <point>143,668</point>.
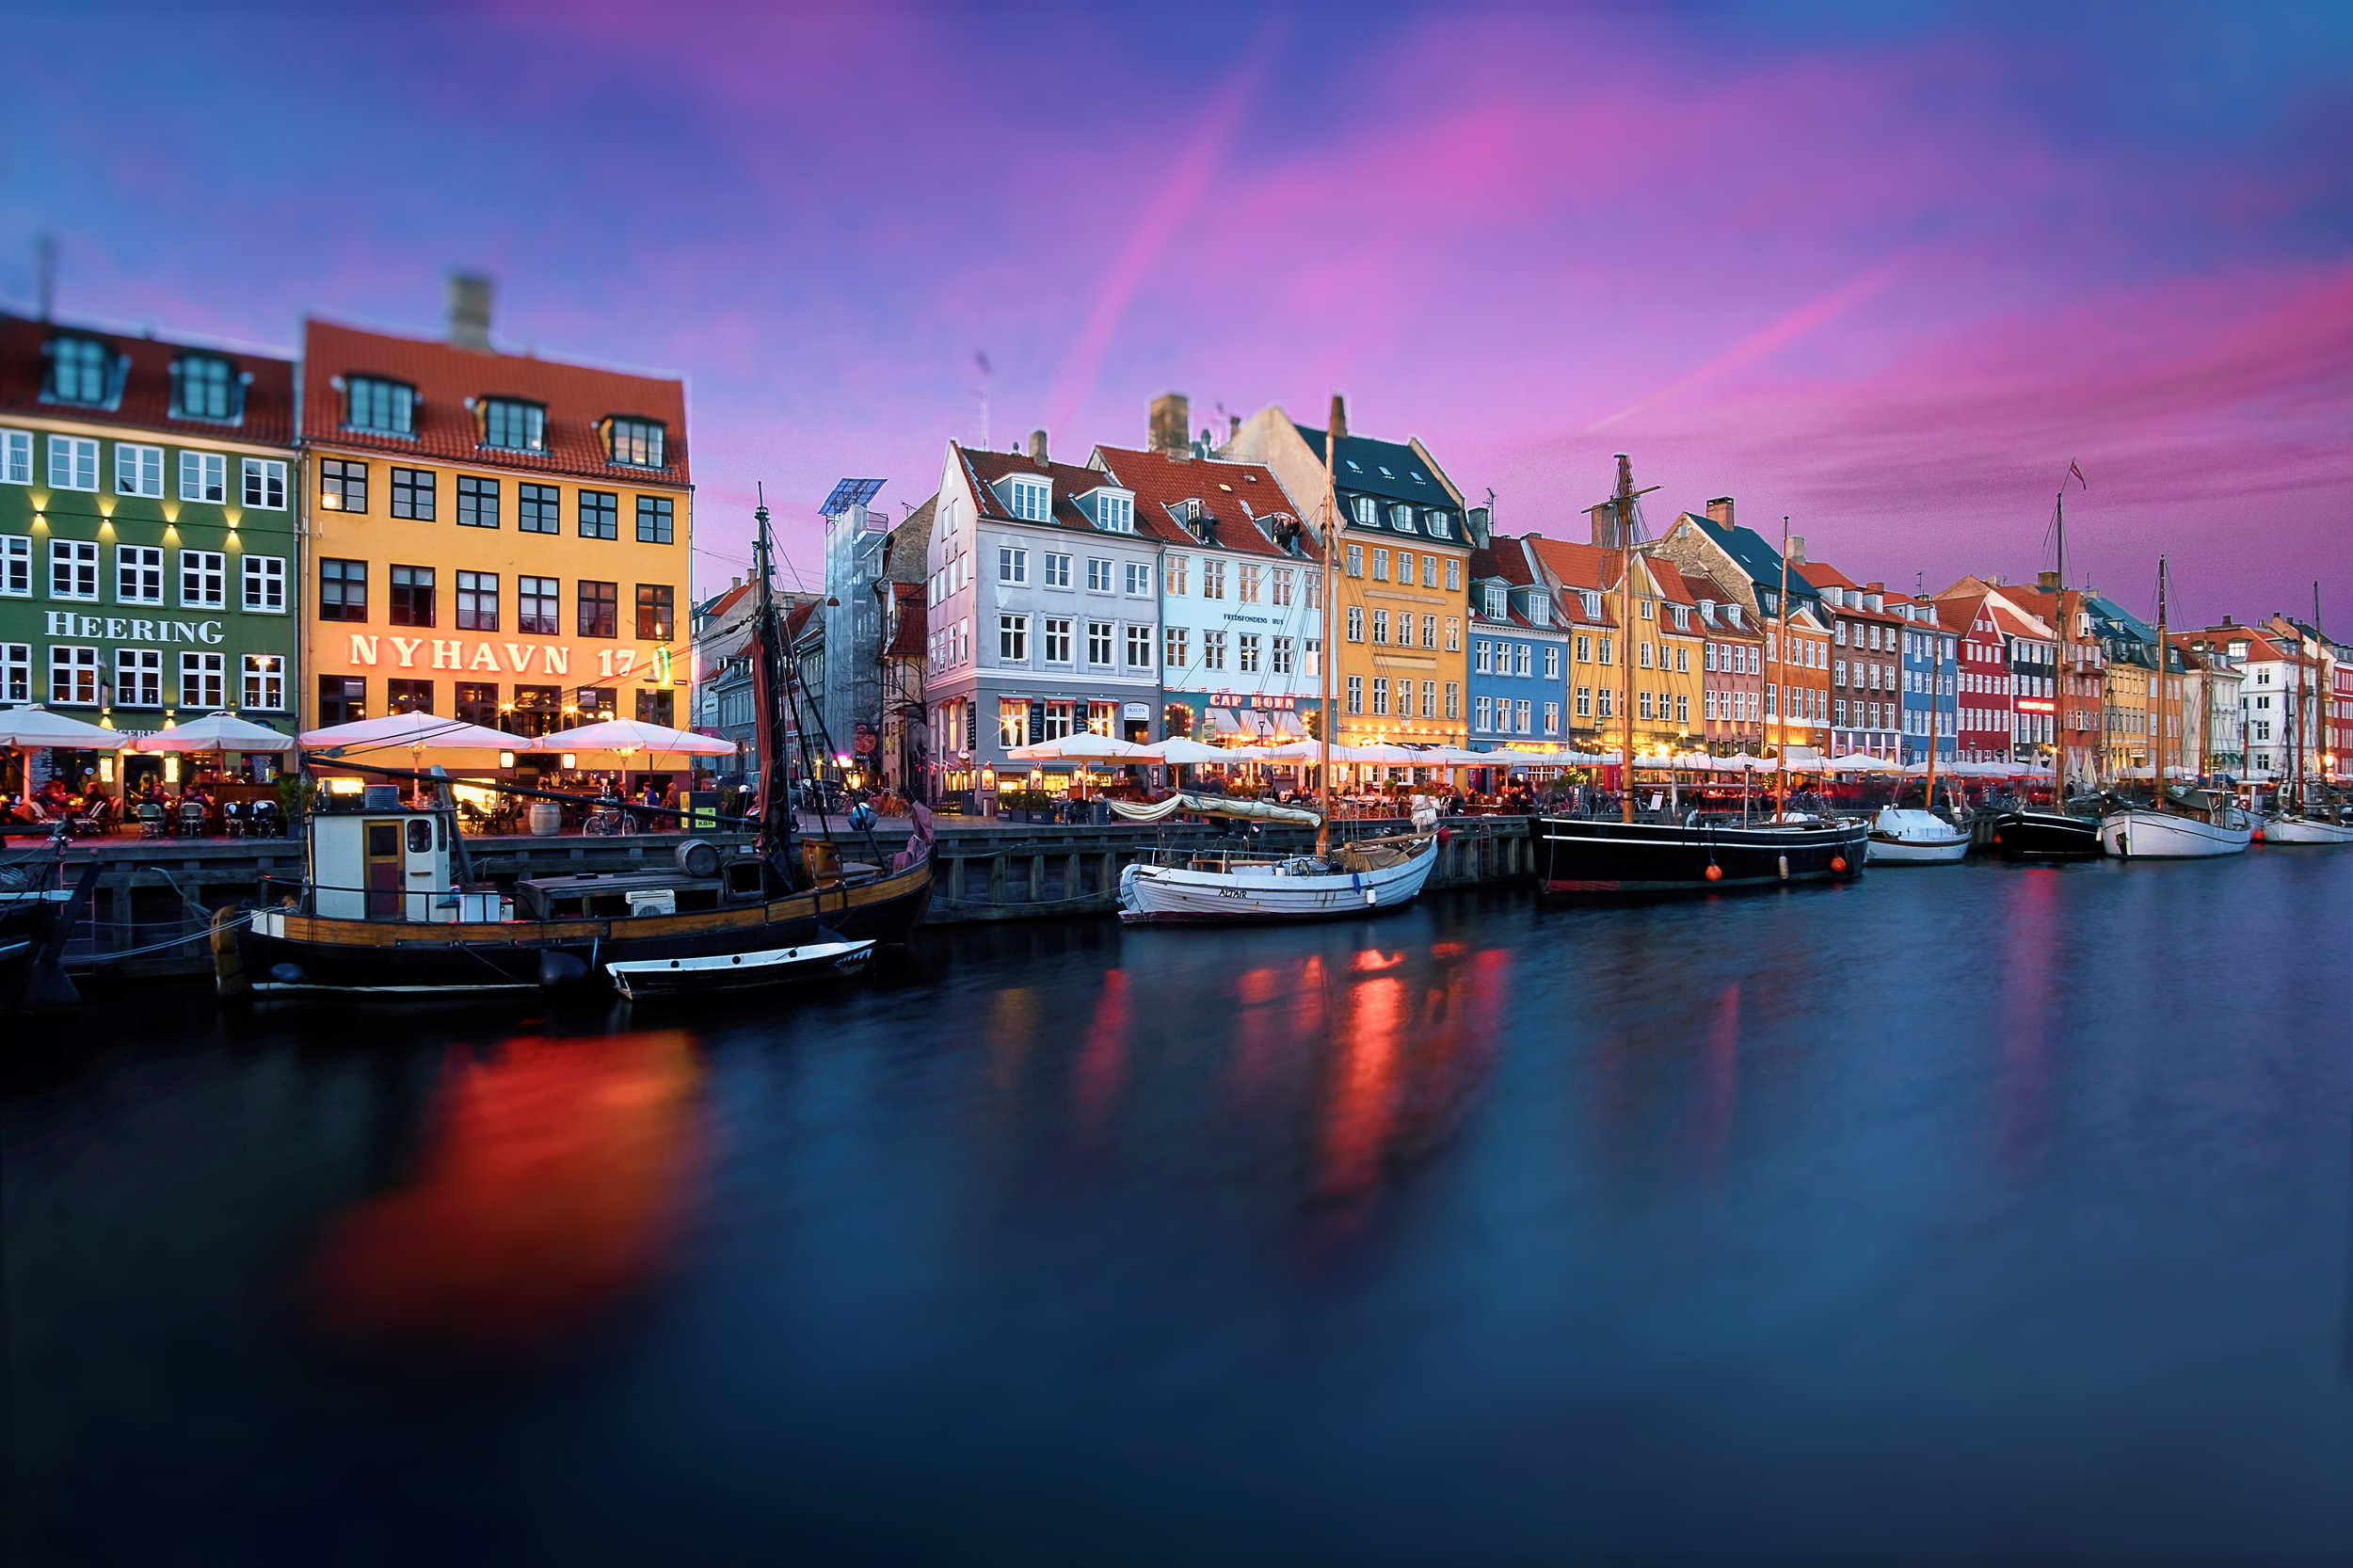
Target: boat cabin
<point>390,862</point>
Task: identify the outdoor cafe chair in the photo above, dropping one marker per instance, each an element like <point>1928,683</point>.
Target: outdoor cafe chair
<point>191,820</point>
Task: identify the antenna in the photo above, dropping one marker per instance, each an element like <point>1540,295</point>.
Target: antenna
<point>979,358</point>
<point>45,274</point>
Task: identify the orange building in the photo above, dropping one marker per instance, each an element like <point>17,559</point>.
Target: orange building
<point>494,537</point>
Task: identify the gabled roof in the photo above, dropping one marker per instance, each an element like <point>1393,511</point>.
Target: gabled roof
<point>1501,558</point>
<point>1385,468</point>
<point>1674,586</point>
<point>578,400</point>
<point>906,555</point>
<point>1958,614</point>
<point>727,600</point>
<point>984,469</point>
<point>1241,500</point>
<point>143,400</point>
<point>2010,622</point>
<point>910,640</point>
<point>1752,554</point>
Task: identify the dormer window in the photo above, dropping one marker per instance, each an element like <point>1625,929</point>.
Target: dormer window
<point>1032,500</point>
<point>1113,513</point>
<point>1539,610</point>
<point>1439,527</point>
<point>78,370</point>
<point>1401,517</point>
<point>1683,618</point>
<point>1495,601</point>
<point>205,386</point>
<point>1368,511</point>
<point>1591,598</point>
<point>513,425</point>
<point>634,442</point>
<point>380,407</point>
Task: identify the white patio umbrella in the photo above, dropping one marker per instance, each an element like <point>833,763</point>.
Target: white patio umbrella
<point>1179,750</point>
<point>414,731</point>
<point>215,732</point>
<point>35,729</point>
<point>628,737</point>
<point>1857,762</point>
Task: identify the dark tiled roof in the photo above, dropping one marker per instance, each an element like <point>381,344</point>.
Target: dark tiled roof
<point>1360,465</point>
<point>1232,494</point>
<point>1501,558</point>
<point>1760,560</point>
<point>145,398</point>
<point>578,399</point>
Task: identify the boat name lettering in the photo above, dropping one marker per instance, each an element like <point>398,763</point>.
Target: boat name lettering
<point>65,623</point>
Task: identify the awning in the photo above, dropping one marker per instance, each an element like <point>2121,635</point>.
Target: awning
<point>1286,722</point>
<point>1223,722</point>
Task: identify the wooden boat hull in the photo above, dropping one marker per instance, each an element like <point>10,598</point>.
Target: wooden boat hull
<point>2143,835</point>
<point>2046,836</point>
<point>739,971</point>
<point>1174,894</point>
<point>2305,831</point>
<point>1578,858</point>
<point>284,952</point>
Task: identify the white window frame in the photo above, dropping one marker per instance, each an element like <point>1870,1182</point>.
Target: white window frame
<point>1139,578</point>
<point>1012,564</point>
<point>1110,640</point>
<point>16,566</point>
<point>138,567</point>
<point>138,470</point>
<point>211,682</point>
<point>74,659</point>
<point>207,568</point>
<point>72,463</point>
<point>16,457</point>
<point>1140,640</point>
<point>1099,567</point>
<point>1013,639</point>
<point>265,478</point>
<point>1056,628</point>
<point>1033,500</point>
<point>139,678</point>
<point>262,682</point>
<point>204,476</point>
<point>68,553</point>
<point>16,672</point>
<point>268,574</point>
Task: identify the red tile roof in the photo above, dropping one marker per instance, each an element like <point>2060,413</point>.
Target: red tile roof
<point>910,642</point>
<point>1242,497</point>
<point>1502,557</point>
<point>145,403</point>
<point>2007,620</point>
<point>578,399</point>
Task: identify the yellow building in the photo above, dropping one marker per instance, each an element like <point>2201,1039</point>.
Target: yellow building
<point>496,537</point>
<point>2124,713</point>
<point>1402,576</point>
<point>1668,648</point>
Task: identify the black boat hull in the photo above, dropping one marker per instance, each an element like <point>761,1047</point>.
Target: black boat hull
<point>2046,836</point>
<point>1578,858</point>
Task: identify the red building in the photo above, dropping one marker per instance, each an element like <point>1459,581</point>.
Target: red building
<point>1988,717</point>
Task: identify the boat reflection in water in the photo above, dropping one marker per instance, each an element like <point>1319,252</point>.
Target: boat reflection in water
<point>551,1178</point>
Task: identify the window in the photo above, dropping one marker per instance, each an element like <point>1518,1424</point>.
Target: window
<point>1355,694</point>
<point>599,610</point>
<point>1013,566</point>
<point>1102,635</point>
<point>535,607</point>
<point>16,459</point>
<point>1584,702</point>
<point>74,674</point>
<point>599,514</point>
<point>1212,651</point>
<point>1521,718</point>
<point>1054,571</point>
<point>1246,652</point>
<point>1311,657</point>
<point>1552,718</point>
<point>264,483</point>
<point>658,705</point>
<point>477,502</point>
<point>1520,657</point>
<point>478,703</point>
<point>343,590</point>
<point>407,696</point>
<point>637,442</point>
<point>513,425</point>
<point>1645,698</point>
<point>202,676</point>
<point>1483,657</point>
<point>1454,699</point>
<point>1609,650</point>
<point>1174,649</point>
<point>1380,627</point>
<point>1381,565</point>
<point>1115,514</point>
<point>16,672</point>
<point>78,370</point>
<point>1453,574</point>
<point>138,470</point>
<point>1013,722</point>
<point>412,597</point>
<point>654,517</point>
<point>1212,579</point>
<point>1055,634</point>
<point>1683,708</point>
<point>139,678</point>
<point>1013,639</point>
<point>342,486</point>
<point>343,698</point>
<point>265,584</point>
<point>1099,574</point>
<point>1172,573</point>
<point>1247,587</point>
<point>1139,578</point>
<point>1482,714</point>
<point>1314,591</point>
<point>72,463</point>
<point>139,574</point>
<point>538,509</point>
<point>477,601</point>
<point>73,569</point>
<point>1429,699</point>
<point>1355,623</point>
<point>1494,597</point>
<point>1607,702</point>
<point>1139,648</point>
<point>657,612</point>
<point>1552,663</point>
<point>1401,518</point>
<point>1355,560</point>
<point>1284,659</point>
<point>1584,649</point>
<point>264,682</point>
<point>203,476</point>
<point>1033,500</point>
<point>1429,632</point>
<point>1683,659</point>
<point>387,407</point>
<point>1381,696</point>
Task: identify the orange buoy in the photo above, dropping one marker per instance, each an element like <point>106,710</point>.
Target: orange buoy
<point>1997,837</point>
<point>2258,834</point>
<point>1715,873</point>
<point>1838,862</point>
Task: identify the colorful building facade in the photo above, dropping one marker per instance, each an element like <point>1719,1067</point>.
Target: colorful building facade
<point>1518,656</point>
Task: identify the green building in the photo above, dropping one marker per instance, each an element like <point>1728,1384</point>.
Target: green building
<point>149,570</point>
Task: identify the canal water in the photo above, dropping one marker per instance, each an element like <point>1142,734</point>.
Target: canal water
<point>1957,1211</point>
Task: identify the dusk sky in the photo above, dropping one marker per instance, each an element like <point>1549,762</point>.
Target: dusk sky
<point>1887,269</point>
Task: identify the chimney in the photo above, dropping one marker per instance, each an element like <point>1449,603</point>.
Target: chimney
<point>470,311</point>
<point>1797,550</point>
<point>1171,416</point>
<point>1233,427</point>
<point>1720,511</point>
<point>1037,447</point>
<point>1340,417</point>
<point>2047,581</point>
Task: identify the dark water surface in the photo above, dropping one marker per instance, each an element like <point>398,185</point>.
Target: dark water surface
<point>1970,1210</point>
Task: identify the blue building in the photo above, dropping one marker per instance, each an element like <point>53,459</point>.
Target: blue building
<point>1518,653</point>
<point>1932,657</point>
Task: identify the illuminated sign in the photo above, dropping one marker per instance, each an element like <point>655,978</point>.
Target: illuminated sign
<point>2036,704</point>
<point>116,629</point>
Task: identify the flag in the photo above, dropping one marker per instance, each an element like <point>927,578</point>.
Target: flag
<point>2076,474</point>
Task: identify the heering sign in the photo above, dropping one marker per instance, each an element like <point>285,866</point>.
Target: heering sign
<point>118,628</point>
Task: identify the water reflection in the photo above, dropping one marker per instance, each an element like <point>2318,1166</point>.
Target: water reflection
<point>551,1176</point>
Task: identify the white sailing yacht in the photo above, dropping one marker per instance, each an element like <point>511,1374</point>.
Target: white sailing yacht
<point>2310,816</point>
<point>2180,824</point>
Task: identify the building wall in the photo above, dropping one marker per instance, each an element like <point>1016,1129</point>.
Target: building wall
<point>1239,632</point>
<point>1527,667</point>
<point>1930,664</point>
<point>1733,705</point>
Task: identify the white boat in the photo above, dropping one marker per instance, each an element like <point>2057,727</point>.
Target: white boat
<point>2138,833</point>
<point>1370,874</point>
<point>2306,830</point>
<point>1904,836</point>
<point>638,978</point>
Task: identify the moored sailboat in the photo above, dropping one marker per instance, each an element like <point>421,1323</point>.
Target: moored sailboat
<point>2307,815</point>
<point>2178,825</point>
<point>2034,833</point>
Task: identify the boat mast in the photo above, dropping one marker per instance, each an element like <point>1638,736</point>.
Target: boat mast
<point>2318,671</point>
<point>775,811</point>
<point>1781,694</point>
<point>1623,501</point>
<point>1330,646</point>
<point>2067,626</point>
<point>2156,757</point>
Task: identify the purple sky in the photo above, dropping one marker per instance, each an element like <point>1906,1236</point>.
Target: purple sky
<point>1884,270</point>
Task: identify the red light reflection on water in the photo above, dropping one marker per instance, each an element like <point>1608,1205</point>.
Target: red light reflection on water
<point>1364,1098</point>
<point>1722,1078</point>
<point>1103,1060</point>
<point>1372,960</point>
<point>2033,927</point>
<point>553,1176</point>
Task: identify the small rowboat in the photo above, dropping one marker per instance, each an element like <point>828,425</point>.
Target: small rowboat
<point>640,978</point>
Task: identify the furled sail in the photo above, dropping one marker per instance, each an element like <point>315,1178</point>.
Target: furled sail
<point>1215,805</point>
